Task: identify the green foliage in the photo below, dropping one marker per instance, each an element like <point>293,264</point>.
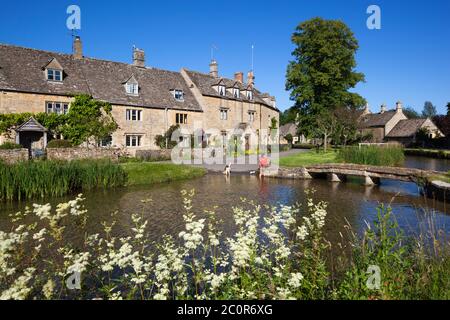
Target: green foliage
<point>410,113</point>
<point>10,146</point>
<point>289,138</point>
<point>302,159</point>
<point>408,270</point>
<point>165,141</point>
<point>322,71</point>
<point>40,179</point>
<point>88,118</point>
<point>429,110</point>
<point>288,116</point>
<point>372,155</point>
<point>59,144</point>
<point>51,121</point>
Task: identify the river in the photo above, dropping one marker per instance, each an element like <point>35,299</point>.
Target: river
<point>349,202</point>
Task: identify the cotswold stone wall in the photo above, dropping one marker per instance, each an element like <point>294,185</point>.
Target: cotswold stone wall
<point>14,155</point>
<point>82,153</point>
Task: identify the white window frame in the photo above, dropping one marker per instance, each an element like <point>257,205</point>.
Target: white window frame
<point>236,93</point>
<point>223,114</point>
<point>250,95</point>
<point>54,75</point>
<point>222,90</point>
<point>133,140</point>
<point>132,88</point>
<point>133,115</point>
<point>178,95</point>
<point>50,107</point>
<point>251,116</point>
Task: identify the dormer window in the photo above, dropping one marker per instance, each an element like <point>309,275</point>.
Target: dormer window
<point>132,88</point>
<point>53,71</point>
<point>250,95</point>
<point>54,75</point>
<point>236,93</point>
<point>221,90</point>
<point>178,95</point>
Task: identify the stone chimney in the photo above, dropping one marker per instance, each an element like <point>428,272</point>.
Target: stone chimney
<point>239,76</point>
<point>77,48</point>
<point>399,107</point>
<point>383,108</point>
<point>214,69</point>
<point>366,109</point>
<point>250,78</point>
<point>138,57</point>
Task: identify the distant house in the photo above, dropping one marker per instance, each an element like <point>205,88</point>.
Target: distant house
<point>394,126</point>
<point>292,129</point>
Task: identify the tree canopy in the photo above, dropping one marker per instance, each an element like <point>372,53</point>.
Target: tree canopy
<point>411,113</point>
<point>323,70</point>
<point>429,110</point>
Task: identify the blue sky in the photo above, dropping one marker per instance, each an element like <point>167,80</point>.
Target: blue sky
<point>407,60</point>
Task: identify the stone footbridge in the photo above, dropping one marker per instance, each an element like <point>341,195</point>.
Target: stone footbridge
<point>339,172</point>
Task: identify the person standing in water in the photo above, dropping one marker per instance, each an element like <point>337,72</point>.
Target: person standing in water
<point>264,163</point>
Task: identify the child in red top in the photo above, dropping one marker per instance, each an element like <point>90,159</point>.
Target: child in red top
<point>264,162</point>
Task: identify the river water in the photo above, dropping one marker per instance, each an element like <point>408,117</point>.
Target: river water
<point>349,202</point>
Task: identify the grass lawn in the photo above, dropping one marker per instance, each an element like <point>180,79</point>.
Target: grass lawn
<point>308,158</point>
<point>142,173</point>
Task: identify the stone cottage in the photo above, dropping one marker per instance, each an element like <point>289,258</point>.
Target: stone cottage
<point>394,126</point>
<point>145,101</point>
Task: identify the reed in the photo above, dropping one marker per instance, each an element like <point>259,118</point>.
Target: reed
<point>372,155</point>
<point>40,179</point>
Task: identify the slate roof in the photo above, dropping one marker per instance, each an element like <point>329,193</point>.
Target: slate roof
<point>205,83</point>
<point>376,119</point>
<point>31,125</point>
<point>406,128</point>
<point>22,69</point>
<point>288,128</point>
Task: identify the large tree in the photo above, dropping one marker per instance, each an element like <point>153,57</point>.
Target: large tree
<point>288,116</point>
<point>429,110</point>
<point>323,71</point>
<point>448,109</point>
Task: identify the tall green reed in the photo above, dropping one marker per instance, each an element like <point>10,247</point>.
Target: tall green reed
<point>39,179</point>
<point>372,155</point>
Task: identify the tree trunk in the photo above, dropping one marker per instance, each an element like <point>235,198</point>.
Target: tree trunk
<point>325,141</point>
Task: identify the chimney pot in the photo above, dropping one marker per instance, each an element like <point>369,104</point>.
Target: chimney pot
<point>138,58</point>
<point>214,69</point>
<point>77,48</point>
<point>399,106</point>
<point>383,108</point>
<point>250,78</point>
<point>239,76</point>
